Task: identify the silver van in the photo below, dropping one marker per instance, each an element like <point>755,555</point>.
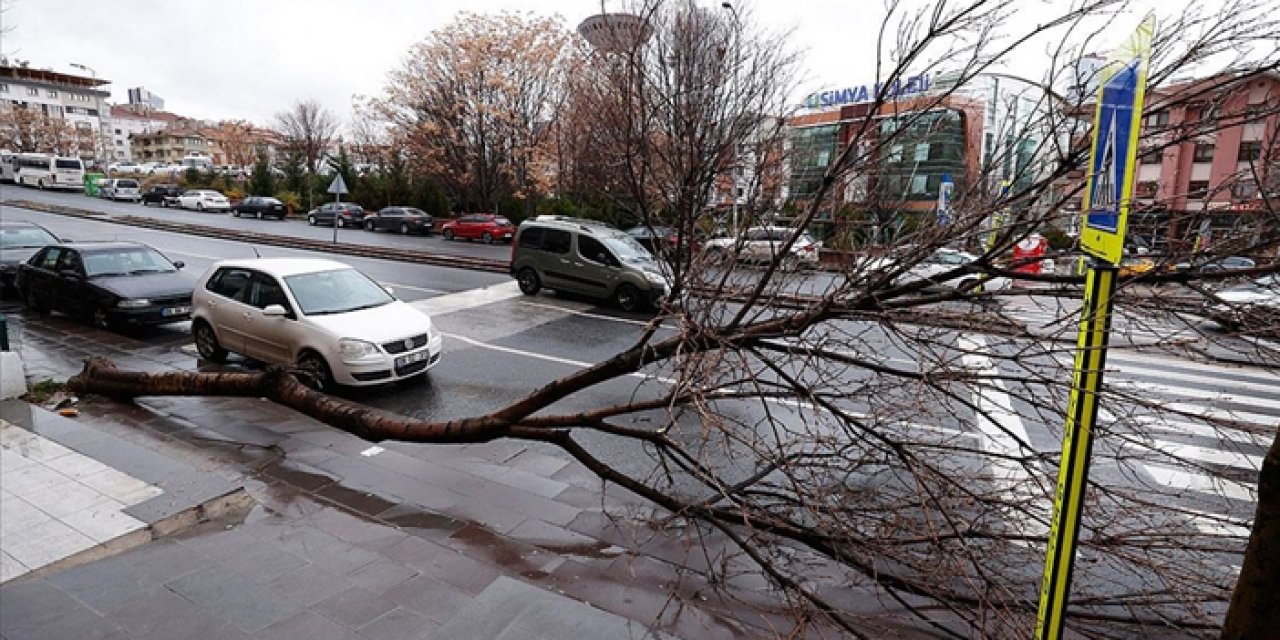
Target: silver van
<point>586,257</point>
<point>121,189</point>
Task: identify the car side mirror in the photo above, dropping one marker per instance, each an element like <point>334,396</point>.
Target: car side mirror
<point>275,311</point>
<point>179,264</point>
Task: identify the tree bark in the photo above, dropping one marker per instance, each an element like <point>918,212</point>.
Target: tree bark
<point>1255,603</point>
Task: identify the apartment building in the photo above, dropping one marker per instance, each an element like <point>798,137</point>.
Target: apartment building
<point>77,100</point>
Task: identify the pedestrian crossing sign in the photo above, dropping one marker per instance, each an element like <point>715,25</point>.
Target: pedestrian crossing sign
<point>1116,125</point>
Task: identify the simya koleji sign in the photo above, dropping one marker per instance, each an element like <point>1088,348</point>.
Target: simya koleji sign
<point>1116,125</point>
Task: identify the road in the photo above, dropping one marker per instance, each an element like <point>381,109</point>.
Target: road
<point>501,345</point>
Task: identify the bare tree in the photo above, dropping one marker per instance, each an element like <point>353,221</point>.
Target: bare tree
<point>307,130</point>
<point>864,430</point>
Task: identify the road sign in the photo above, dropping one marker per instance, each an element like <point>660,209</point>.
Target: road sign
<point>1115,145</point>
<point>1116,124</point>
<point>338,186</point>
<point>944,200</point>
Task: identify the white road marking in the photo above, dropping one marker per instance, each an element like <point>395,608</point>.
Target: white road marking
<point>1201,483</point>
<point>397,285</point>
<point>588,314</point>
<point>1159,424</point>
<point>372,451</point>
<point>1142,388</point>
<point>1005,436</point>
<point>469,299</point>
<point>547,358</point>
<point>1193,453</point>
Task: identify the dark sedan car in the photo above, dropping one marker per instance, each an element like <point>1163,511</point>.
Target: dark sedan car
<point>345,213</point>
<point>18,242</point>
<point>111,284</point>
<point>165,195</point>
<point>406,220</point>
<point>259,207</point>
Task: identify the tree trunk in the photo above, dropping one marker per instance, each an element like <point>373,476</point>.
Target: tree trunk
<point>1255,604</point>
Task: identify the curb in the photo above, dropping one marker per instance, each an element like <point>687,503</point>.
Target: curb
<point>232,504</point>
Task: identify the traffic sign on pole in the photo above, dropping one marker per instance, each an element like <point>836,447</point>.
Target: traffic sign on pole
<point>338,186</point>
<point>1115,145</point>
<point>1116,125</point>
<point>944,200</point>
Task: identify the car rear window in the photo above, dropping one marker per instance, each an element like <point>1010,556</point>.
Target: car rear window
<point>126,184</point>
<point>67,164</point>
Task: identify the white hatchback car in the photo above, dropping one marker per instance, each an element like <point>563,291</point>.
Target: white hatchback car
<point>204,199</point>
<point>760,244</point>
<point>323,316</point>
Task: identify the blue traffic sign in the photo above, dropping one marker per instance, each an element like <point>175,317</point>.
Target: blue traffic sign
<point>1112,155</point>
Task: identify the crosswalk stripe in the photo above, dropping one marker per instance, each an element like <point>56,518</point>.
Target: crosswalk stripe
<point>1159,424</point>
<point>1190,452</point>
<point>1235,385</point>
<point>1193,392</point>
<point>1201,483</point>
<point>1231,415</point>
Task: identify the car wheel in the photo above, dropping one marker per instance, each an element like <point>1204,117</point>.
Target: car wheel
<point>235,213</point>
<point>258,215</point>
<point>529,282</point>
<point>311,220</point>
<point>207,343</point>
<point>342,222</point>
<point>404,229</point>
<point>627,297</point>
<point>368,226</point>
<point>315,371</point>
<point>200,206</point>
<point>448,234</point>
<point>40,184</point>
<point>33,303</point>
<point>100,318</point>
<point>486,238</point>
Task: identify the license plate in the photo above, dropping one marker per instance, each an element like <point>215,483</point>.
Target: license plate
<point>412,358</point>
<point>176,311</point>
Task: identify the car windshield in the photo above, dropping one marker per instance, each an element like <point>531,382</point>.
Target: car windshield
<point>126,262</point>
<point>336,291</point>
<point>25,237</point>
<point>626,248</point>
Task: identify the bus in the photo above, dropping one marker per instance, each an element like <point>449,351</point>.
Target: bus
<point>47,171</point>
<point>6,166</point>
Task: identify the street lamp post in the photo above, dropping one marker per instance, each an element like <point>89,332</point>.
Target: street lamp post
<point>737,28</point>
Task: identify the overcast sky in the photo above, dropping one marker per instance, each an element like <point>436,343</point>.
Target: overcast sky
<point>250,59</point>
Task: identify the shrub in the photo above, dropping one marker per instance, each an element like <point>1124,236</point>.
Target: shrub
<point>292,201</point>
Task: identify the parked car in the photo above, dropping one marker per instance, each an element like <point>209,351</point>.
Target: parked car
<point>347,214</point>
<point>110,284</point>
<point>1227,263</point>
<point>588,258</point>
<point>406,220</point>
<point>120,189</point>
<point>165,195</point>
<point>124,167</point>
<point>1253,307</point>
<point>323,316</point>
<point>204,200</point>
<point>658,240</point>
<point>485,227</point>
<point>1131,266</point>
<point>18,242</point>
<point>260,207</point>
<point>761,244</point>
<point>935,267</point>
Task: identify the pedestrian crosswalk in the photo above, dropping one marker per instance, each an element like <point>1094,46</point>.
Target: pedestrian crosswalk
<point>1058,317</point>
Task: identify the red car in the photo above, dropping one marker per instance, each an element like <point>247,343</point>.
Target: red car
<point>485,227</point>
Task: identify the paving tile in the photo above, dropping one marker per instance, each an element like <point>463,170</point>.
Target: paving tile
<point>248,606</point>
<point>65,499</point>
<point>263,562</point>
<point>31,478</point>
<point>310,584</point>
<point>381,575</point>
<point>415,552</point>
<point>12,461</point>
<point>164,614</point>
<point>10,568</point>
<point>430,597</point>
<point>18,515</point>
<point>341,557</point>
<point>397,624</point>
<point>103,522</point>
<point>76,465</point>
<point>113,483</point>
<point>464,572</point>
<point>360,530</point>
<point>104,586</point>
<point>31,603</point>
<point>354,607</point>
<point>307,625</point>
<point>79,623</point>
<point>164,559</point>
<point>46,543</point>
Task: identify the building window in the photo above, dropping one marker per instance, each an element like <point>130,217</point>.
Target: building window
<point>117,132</point>
<point>1198,189</point>
<point>1203,153</point>
<point>1155,156</point>
<point>1158,119</point>
<point>32,91</point>
<point>1244,189</point>
<point>920,184</point>
<point>4,88</point>
<point>53,94</point>
<point>1249,151</point>
<point>1255,112</point>
<point>1148,188</point>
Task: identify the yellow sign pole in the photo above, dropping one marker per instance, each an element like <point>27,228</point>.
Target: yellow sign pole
<point>1073,475</point>
<point>1116,125</point>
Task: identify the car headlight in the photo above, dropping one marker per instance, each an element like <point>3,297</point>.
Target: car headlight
<point>133,303</point>
<point>351,349</point>
<point>655,278</point>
